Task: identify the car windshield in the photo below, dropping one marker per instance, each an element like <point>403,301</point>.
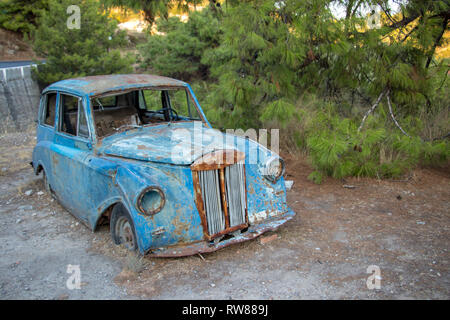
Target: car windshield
<point>121,111</point>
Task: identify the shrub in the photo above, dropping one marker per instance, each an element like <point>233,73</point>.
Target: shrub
<point>336,147</point>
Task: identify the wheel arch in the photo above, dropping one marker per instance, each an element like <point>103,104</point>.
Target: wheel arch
<point>39,168</point>
<point>105,211</point>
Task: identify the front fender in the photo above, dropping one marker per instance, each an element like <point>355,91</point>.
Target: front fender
<point>178,221</point>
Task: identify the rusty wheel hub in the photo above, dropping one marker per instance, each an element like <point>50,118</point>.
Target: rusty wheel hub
<point>125,233</point>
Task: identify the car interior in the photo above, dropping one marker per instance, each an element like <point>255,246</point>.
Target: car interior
<point>120,111</point>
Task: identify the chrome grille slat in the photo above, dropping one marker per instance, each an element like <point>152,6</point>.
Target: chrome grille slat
<point>235,193</point>
<point>210,185</point>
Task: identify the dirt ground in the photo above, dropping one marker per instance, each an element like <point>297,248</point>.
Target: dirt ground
<point>402,227</point>
<point>13,47</point>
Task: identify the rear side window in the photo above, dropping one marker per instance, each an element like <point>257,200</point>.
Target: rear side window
<point>49,109</point>
<point>83,130</point>
<point>72,116</point>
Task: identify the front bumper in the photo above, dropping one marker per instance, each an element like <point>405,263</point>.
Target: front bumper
<point>205,246</point>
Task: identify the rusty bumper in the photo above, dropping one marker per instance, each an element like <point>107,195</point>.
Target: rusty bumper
<point>205,246</point>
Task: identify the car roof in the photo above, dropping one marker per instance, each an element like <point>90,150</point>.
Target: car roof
<point>96,85</point>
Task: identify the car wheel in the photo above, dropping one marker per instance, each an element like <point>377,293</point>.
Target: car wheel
<point>122,228</point>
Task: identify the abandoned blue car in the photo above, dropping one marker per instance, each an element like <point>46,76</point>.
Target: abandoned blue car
<point>137,152</point>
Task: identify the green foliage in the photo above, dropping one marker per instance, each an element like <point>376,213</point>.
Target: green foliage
<point>90,50</point>
<point>254,65</point>
<point>316,177</point>
<point>178,51</point>
<point>21,15</point>
<point>279,64</point>
<point>337,149</point>
<point>294,65</point>
<point>153,8</point>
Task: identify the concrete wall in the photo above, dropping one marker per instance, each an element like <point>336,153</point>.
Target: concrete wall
<point>19,99</point>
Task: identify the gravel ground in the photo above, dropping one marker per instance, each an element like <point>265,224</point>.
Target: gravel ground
<point>401,227</point>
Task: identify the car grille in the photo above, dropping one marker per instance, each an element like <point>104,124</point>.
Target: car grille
<point>223,198</point>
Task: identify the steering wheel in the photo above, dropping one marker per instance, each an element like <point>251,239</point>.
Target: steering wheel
<point>169,109</point>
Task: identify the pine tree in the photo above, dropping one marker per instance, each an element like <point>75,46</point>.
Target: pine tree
<point>153,8</point>
<point>255,64</point>
<point>90,50</point>
<point>21,15</point>
<point>150,8</point>
<point>178,50</point>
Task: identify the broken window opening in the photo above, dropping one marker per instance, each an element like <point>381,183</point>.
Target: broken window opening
<point>122,111</point>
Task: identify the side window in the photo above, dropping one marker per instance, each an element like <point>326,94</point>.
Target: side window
<point>104,102</point>
<point>72,116</point>
<point>83,130</point>
<point>49,110</point>
<point>180,101</point>
<point>152,100</point>
<point>142,104</point>
<point>68,115</point>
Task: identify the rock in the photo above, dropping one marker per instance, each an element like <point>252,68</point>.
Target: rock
<point>29,192</point>
<point>264,240</point>
<point>288,184</point>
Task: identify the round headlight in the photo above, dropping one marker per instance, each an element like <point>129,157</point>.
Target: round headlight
<point>151,200</point>
<point>274,168</point>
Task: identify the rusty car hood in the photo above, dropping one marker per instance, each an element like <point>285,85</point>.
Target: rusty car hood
<point>179,143</point>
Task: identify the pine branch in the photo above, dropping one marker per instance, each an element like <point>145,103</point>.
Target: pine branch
<point>405,21</point>
<point>350,10</point>
<point>442,138</point>
<point>393,118</point>
<point>372,108</point>
<point>356,8</point>
<point>409,33</point>
<point>391,19</point>
<point>436,43</point>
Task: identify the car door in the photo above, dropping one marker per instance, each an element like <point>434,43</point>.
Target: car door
<point>45,133</point>
<point>71,147</point>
